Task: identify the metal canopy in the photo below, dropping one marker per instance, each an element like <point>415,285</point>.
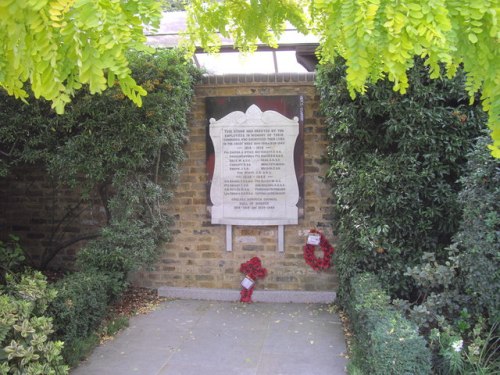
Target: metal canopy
<point>295,53</point>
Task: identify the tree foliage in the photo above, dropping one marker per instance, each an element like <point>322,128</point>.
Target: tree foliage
<point>59,45</point>
<point>377,38</point>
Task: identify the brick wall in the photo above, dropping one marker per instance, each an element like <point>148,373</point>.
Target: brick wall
<point>30,207</point>
<point>197,257</point>
<point>34,209</point>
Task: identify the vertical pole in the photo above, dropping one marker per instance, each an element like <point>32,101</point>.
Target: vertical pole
<point>229,238</point>
<point>275,60</point>
<point>281,238</point>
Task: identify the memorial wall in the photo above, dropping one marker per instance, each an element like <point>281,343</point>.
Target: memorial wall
<point>251,185</point>
<point>253,181</point>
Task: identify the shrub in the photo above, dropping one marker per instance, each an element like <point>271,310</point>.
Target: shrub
<point>108,149</point>
<point>11,257</point>
<point>80,349</point>
<point>25,346</point>
<point>478,354</point>
<point>458,301</point>
<point>394,165</point>
<point>441,299</point>
<point>80,306</point>
<point>479,234</point>
<point>385,341</point>
<point>123,247</point>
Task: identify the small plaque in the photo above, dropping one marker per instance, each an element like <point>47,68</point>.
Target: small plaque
<point>313,239</point>
<point>247,283</point>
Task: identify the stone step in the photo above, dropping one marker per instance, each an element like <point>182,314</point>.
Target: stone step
<point>278,296</point>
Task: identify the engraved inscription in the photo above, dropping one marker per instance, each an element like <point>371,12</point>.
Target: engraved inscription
<point>254,179</point>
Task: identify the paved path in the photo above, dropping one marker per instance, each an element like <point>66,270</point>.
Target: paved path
<point>188,337</point>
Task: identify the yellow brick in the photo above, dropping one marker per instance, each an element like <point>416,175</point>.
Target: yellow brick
<point>200,246</point>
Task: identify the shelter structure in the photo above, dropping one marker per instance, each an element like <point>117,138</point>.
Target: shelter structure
<point>294,54</point>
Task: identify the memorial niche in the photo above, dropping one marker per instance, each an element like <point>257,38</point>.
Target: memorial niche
<point>255,160</point>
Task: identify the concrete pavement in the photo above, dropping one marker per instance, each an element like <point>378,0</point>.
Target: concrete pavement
<point>193,337</point>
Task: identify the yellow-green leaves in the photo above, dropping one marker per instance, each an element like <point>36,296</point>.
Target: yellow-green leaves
<point>58,45</point>
<point>247,22</point>
<point>377,38</point>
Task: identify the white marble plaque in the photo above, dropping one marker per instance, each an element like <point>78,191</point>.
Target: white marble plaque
<point>254,181</point>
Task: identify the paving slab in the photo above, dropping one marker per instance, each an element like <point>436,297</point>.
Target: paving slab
<point>187,337</point>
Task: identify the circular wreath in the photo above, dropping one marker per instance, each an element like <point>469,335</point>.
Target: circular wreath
<point>319,264</point>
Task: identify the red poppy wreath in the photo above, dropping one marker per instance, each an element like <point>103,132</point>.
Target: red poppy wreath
<point>253,270</point>
<point>318,264</point>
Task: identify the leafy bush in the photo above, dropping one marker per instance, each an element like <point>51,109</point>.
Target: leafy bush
<point>394,164</point>
<point>129,157</point>
<point>25,346</point>
<point>479,234</point>
<point>385,341</point>
<point>80,306</point>
<point>123,247</point>
<point>11,257</point>
<point>441,299</point>
<point>458,303</point>
<point>462,335</point>
<point>106,146</point>
<point>455,356</point>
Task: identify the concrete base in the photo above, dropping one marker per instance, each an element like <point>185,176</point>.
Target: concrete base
<point>277,296</point>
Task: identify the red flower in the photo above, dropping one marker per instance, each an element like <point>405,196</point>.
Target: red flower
<point>253,268</point>
<point>246,295</point>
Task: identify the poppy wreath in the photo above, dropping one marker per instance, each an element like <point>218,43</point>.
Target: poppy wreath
<point>254,270</point>
<point>319,264</point>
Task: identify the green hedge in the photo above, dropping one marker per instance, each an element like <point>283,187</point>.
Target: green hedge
<point>394,165</point>
<point>80,306</point>
<point>479,234</point>
<point>385,341</point>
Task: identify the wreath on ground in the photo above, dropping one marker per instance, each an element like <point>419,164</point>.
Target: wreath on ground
<point>253,270</point>
<point>318,264</point>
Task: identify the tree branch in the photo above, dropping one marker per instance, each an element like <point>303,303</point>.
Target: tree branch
<point>11,150</point>
<point>157,171</point>
<point>56,250</point>
<point>103,194</point>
